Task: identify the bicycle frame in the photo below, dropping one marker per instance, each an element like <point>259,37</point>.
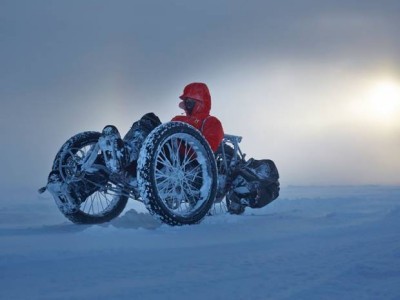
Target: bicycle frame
<point>238,155</point>
<point>89,165</point>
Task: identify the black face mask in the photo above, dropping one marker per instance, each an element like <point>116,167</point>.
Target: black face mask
<point>189,105</point>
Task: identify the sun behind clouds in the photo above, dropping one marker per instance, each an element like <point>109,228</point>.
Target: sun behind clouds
<point>378,103</point>
<point>384,100</point>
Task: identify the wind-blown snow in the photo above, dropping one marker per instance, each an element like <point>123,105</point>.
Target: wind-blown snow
<point>311,243</point>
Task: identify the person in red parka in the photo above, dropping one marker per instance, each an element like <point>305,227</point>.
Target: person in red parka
<point>196,102</point>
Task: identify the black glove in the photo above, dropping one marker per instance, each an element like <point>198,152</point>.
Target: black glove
<point>150,121</point>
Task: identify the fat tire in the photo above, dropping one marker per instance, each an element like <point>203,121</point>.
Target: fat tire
<point>78,141</point>
<point>147,178</point>
<point>229,153</point>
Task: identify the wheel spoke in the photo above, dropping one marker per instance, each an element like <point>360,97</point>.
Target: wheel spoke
<point>103,198</point>
<point>179,179</point>
<point>163,159</point>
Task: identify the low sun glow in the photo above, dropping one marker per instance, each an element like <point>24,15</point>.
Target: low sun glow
<point>384,99</point>
<point>379,102</point>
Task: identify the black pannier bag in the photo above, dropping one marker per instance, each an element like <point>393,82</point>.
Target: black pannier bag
<point>257,182</point>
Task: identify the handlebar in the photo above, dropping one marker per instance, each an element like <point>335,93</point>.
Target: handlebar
<point>232,138</point>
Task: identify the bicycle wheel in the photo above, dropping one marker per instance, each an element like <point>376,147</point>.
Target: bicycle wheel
<point>177,174</point>
<point>87,198</point>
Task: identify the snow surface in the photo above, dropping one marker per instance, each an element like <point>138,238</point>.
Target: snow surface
<point>311,243</point>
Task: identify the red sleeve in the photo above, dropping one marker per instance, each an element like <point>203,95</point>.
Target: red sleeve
<point>213,132</point>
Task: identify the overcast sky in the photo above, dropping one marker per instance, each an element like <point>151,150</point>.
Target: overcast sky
<point>313,85</point>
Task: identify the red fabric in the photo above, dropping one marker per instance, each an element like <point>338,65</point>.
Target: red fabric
<point>198,91</point>
<point>212,129</point>
<point>200,118</point>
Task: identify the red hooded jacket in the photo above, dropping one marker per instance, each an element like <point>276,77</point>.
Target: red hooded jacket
<point>200,118</point>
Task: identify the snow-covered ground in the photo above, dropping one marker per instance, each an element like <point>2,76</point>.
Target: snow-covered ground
<point>311,243</point>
